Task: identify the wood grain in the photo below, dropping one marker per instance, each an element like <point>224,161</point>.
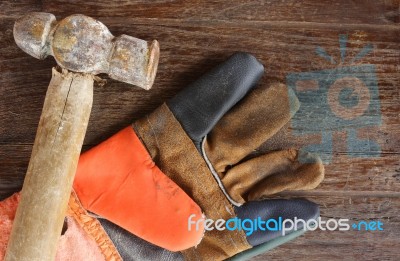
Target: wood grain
<point>194,36</point>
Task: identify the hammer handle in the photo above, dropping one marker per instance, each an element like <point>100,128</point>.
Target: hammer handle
<point>48,181</point>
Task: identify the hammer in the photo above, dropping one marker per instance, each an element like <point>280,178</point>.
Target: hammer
<point>82,48</point>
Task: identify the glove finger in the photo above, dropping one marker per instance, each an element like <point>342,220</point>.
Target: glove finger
<point>302,171</point>
<point>132,248</point>
<point>255,119</point>
<point>274,210</point>
<point>199,106</point>
<point>271,173</point>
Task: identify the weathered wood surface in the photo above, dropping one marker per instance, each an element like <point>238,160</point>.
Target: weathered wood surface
<point>193,36</point>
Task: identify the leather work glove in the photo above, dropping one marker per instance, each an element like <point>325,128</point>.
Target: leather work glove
<point>201,137</point>
<point>201,140</point>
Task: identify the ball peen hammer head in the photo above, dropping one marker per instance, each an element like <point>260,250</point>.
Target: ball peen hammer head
<point>82,44</point>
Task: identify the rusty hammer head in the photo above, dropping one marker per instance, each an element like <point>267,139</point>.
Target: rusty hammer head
<point>82,44</point>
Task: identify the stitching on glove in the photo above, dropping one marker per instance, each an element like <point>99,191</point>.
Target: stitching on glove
<point>215,174</point>
<point>93,227</point>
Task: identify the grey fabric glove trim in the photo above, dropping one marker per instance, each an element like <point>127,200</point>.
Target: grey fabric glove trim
<point>133,248</point>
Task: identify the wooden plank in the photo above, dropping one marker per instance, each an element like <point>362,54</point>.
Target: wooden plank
<point>14,163</point>
<point>379,12</point>
<point>17,8</point>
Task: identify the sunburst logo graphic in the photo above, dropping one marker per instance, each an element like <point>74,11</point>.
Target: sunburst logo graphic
<point>345,98</point>
<point>343,46</point>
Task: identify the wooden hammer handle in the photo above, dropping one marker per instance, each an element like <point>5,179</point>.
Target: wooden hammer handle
<point>47,186</point>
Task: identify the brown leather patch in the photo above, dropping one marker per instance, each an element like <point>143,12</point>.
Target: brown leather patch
<point>175,154</point>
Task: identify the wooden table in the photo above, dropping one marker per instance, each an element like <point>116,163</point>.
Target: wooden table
<point>287,37</point>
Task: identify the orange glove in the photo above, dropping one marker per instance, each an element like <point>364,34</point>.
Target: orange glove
<point>119,181</point>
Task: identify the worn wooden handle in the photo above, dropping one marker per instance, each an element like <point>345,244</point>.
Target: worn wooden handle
<point>47,186</point>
